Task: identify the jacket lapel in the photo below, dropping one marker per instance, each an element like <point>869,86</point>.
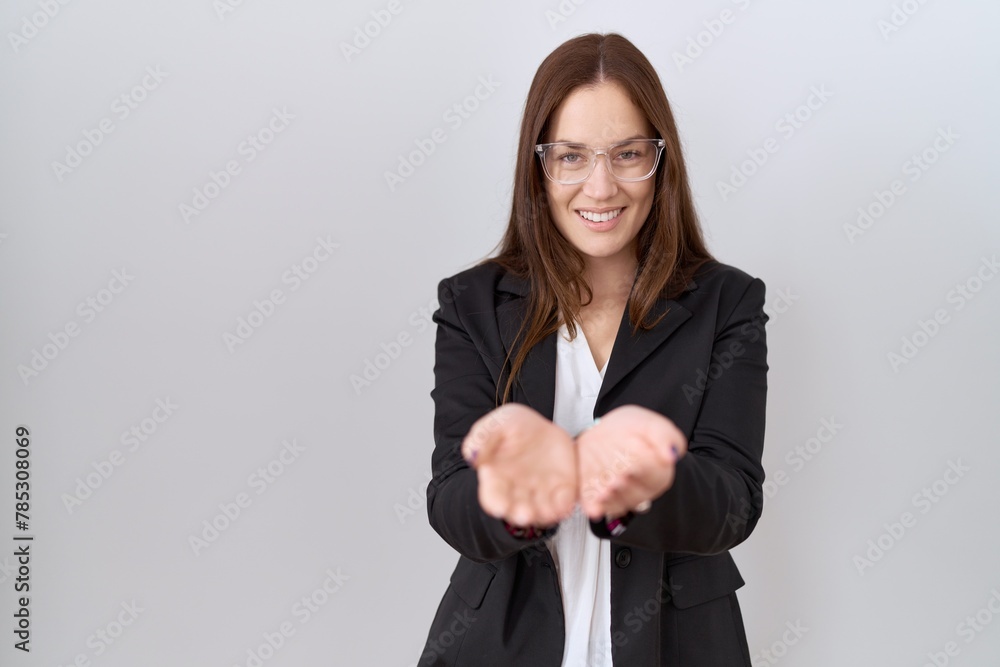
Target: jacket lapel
<point>538,375</point>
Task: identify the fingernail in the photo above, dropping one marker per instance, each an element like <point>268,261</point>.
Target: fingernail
<point>677,454</point>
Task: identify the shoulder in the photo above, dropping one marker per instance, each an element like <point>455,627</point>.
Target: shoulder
<point>478,284</point>
<point>486,274</point>
<point>716,276</point>
<point>723,287</point>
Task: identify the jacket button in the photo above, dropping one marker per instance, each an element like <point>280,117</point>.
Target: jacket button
<point>623,558</point>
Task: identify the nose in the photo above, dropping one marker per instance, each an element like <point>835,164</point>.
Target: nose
<point>601,184</point>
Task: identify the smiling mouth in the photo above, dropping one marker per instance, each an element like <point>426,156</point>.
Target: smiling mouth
<point>600,217</point>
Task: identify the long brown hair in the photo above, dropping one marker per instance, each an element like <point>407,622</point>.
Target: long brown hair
<point>670,247</point>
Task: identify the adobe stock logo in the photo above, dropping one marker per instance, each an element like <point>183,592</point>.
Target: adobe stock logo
<point>723,357</point>
<point>562,12</point>
<point>968,629</point>
<point>704,39</point>
<point>30,25</point>
<point>223,7</point>
<point>264,309</point>
<point>88,309</point>
<point>364,35</point>
<point>923,500</point>
<point>231,511</point>
<point>303,610</point>
<point>121,107</point>
<point>787,125</point>
<point>900,16</point>
<point>249,149</point>
<point>960,295</point>
<point>914,168</point>
<point>779,649</point>
<point>109,634</point>
<point>104,468</point>
<point>422,320</point>
<point>455,115</point>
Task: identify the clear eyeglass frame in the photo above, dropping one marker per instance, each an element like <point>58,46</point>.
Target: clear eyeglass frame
<point>541,148</point>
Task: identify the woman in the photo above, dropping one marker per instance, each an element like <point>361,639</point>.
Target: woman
<point>599,397</point>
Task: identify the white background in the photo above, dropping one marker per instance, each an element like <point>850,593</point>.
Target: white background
<point>840,305</point>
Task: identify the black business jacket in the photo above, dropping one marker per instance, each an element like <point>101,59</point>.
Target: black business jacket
<point>673,581</point>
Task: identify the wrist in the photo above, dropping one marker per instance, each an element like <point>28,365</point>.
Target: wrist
<point>618,525</point>
<point>528,532</point>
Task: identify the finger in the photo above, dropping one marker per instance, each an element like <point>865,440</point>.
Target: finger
<point>556,504</point>
<point>651,481</point>
<point>629,498</point>
<point>655,461</point>
<point>603,482</point>
<point>563,498</point>
<point>520,516</point>
<point>546,514</point>
<point>617,504</point>
<point>523,502</point>
<point>637,486</point>
<point>608,494</point>
<point>522,512</point>
<point>676,442</point>
<point>472,448</point>
<point>494,492</point>
<point>593,511</point>
<point>663,454</point>
<point>545,506</point>
<point>667,441</point>
<point>482,440</point>
<point>592,496</point>
<point>591,501</point>
<point>626,459</point>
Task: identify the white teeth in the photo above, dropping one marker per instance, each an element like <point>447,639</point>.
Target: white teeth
<point>599,217</point>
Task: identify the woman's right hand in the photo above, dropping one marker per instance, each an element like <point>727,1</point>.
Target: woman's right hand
<point>526,466</point>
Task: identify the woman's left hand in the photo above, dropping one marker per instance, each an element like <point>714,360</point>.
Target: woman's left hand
<point>627,460</point>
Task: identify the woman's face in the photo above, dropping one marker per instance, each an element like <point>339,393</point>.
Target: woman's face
<point>599,116</point>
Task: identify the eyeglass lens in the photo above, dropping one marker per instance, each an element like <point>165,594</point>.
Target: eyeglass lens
<point>635,159</point>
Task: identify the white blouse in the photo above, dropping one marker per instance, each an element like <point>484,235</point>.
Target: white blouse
<point>583,561</point>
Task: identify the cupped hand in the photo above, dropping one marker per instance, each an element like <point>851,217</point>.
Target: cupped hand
<point>526,466</point>
<point>627,460</point>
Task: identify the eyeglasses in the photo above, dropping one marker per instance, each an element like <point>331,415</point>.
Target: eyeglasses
<point>567,163</point>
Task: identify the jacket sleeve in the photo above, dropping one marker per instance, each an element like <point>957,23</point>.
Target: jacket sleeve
<point>464,390</point>
<point>716,498</point>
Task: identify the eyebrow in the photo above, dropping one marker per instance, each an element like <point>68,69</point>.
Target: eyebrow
<point>580,143</point>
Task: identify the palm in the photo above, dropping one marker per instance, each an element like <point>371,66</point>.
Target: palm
<point>626,459</point>
<point>528,476</point>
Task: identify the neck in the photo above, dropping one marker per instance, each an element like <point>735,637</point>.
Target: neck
<point>611,278</point>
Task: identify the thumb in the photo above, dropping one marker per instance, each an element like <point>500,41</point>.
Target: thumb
<point>481,441</point>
